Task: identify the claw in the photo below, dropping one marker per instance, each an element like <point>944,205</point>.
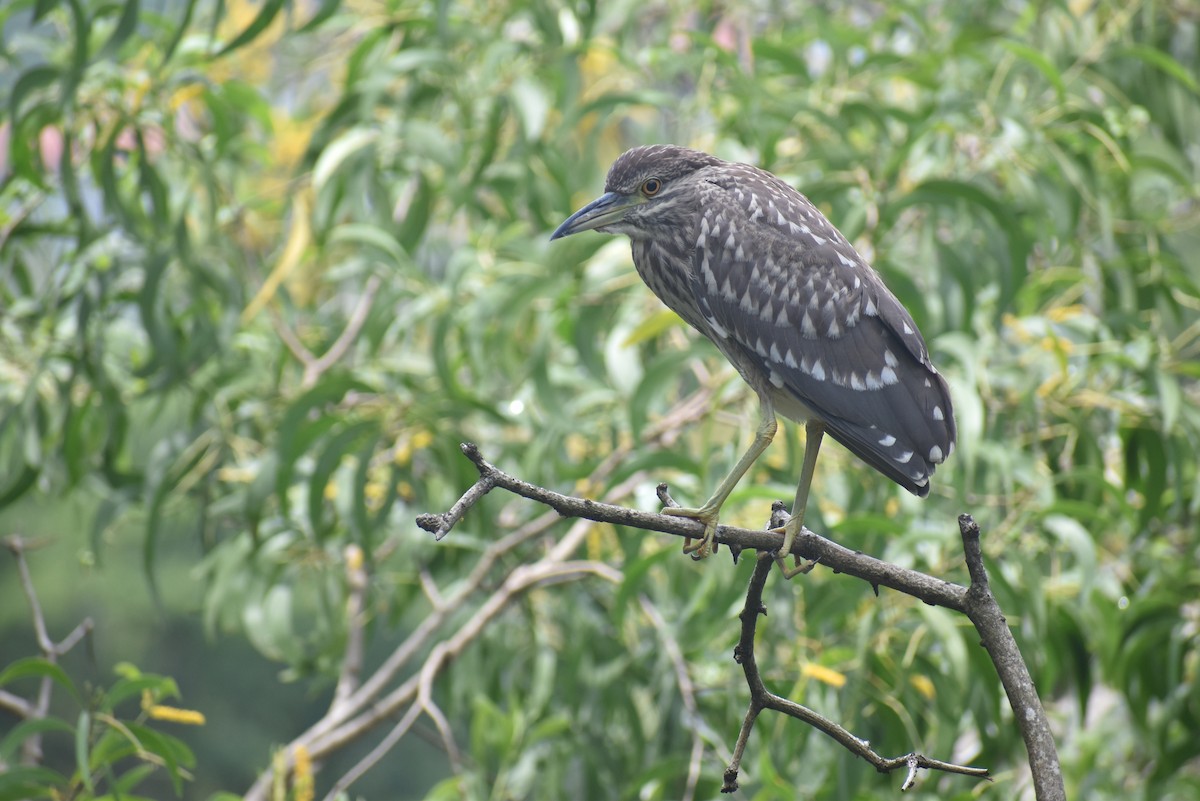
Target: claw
<point>789,531</point>
<point>706,545</point>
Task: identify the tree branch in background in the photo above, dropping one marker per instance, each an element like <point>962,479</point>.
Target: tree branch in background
<point>315,366</point>
<point>976,602</point>
<point>361,704</point>
<point>31,748</point>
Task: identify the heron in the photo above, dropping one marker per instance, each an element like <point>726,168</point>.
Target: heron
<point>749,262</point>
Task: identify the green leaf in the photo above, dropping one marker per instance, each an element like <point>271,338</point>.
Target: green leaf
<point>417,213</point>
<point>33,727</point>
<point>370,236</point>
<point>1038,61</point>
<point>337,152</point>
<point>126,25</point>
<point>30,81</point>
<point>268,623</point>
<point>946,192</point>
<point>37,667</point>
<point>532,105</point>
<point>83,739</point>
<point>1160,60</point>
<point>171,750</point>
<point>304,422</point>
<point>19,486</point>
<point>43,7</point>
<point>1170,399</point>
<point>21,783</point>
<point>184,27</point>
<point>132,687</point>
<point>633,582</point>
<point>266,15</point>
<point>327,10</point>
<point>337,447</point>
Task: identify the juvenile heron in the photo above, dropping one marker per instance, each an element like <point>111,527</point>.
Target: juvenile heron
<point>751,264</point>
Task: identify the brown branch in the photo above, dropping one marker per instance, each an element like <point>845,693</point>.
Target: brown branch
<point>985,613</point>
<point>976,602</point>
<point>808,545</point>
<point>761,699</point>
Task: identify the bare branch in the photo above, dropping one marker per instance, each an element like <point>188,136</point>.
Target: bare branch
<point>314,366</point>
<point>977,603</point>
<point>1030,717</point>
<point>761,698</point>
<point>363,710</point>
<point>31,748</point>
<point>16,705</point>
<point>808,545</point>
<point>377,753</point>
<point>18,545</point>
<point>314,369</point>
<point>352,660</point>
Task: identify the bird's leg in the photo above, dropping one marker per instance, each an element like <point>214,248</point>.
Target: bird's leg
<point>814,430</point>
<point>711,510</point>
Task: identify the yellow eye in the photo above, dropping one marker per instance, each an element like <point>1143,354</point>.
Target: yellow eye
<point>651,187</point>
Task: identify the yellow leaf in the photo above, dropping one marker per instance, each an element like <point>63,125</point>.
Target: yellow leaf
<point>651,327</point>
<point>823,674</point>
<point>293,251</point>
<point>302,775</point>
<point>924,686</point>
<point>176,715</point>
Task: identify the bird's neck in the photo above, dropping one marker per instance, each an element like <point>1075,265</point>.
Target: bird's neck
<point>669,277</point>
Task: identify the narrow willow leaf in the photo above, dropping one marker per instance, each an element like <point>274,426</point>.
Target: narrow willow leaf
<point>266,15</point>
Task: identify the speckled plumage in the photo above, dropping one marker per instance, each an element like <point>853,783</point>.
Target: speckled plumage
<point>750,263</point>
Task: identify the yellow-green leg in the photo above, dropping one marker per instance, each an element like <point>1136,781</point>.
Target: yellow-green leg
<point>710,512</point>
<point>814,431</point>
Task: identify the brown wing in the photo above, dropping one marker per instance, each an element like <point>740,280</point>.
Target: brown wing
<point>774,278</point>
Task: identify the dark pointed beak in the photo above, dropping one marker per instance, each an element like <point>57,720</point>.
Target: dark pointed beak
<point>604,210</point>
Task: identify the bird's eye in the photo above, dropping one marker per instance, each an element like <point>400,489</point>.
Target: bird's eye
<point>651,187</point>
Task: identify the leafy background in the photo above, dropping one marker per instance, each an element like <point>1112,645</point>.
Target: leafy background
<point>199,198</point>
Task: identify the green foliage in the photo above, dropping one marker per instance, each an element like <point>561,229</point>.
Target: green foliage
<point>199,201</point>
<point>115,751</point>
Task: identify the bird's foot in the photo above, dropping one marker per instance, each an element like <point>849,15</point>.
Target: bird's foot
<point>707,545</point>
<point>799,566</point>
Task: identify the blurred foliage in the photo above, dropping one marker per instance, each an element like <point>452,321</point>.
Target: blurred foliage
<point>196,196</point>
<point>114,753</point>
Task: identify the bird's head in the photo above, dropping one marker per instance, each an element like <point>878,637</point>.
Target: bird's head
<point>647,192</point>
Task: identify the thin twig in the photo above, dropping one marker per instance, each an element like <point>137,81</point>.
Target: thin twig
<point>18,545</point>
<point>358,318</point>
<point>352,660</point>
<point>16,705</point>
<point>375,754</point>
<point>31,748</point>
<point>425,701</point>
<point>316,366</point>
